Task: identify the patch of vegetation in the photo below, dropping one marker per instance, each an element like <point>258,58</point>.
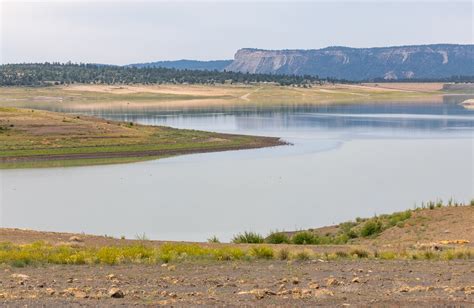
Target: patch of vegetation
<point>213,239</point>
<point>283,254</point>
<point>360,228</point>
<point>371,227</point>
<point>303,255</point>
<point>261,252</point>
<point>248,238</point>
<point>43,74</point>
<point>277,238</point>
<point>141,237</point>
<point>359,253</point>
<point>303,238</point>
<point>41,253</point>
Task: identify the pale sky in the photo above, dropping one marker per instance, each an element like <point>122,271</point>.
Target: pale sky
<point>121,32</point>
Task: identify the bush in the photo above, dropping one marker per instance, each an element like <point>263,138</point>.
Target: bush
<point>303,238</point>
<point>342,254</point>
<point>248,238</point>
<point>277,238</point>
<point>283,254</point>
<point>352,234</point>
<point>359,253</point>
<point>340,239</point>
<point>371,227</point>
<point>428,255</point>
<point>395,218</point>
<point>213,239</point>
<point>303,255</point>
<point>261,252</point>
<point>141,237</point>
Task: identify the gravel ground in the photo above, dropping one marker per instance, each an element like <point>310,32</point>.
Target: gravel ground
<point>262,283</point>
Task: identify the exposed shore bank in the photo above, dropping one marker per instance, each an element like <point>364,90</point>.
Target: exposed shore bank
<point>82,96</point>
<point>33,138</point>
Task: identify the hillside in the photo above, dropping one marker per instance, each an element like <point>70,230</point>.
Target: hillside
<point>389,63</point>
<point>443,225</point>
<point>214,65</point>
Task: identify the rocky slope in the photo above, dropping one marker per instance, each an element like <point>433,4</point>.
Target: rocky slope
<point>403,62</point>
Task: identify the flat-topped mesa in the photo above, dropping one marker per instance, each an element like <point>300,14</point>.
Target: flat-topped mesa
<point>401,62</point>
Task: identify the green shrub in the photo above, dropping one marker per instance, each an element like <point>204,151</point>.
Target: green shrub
<point>261,252</point>
<point>395,218</point>
<point>428,255</point>
<point>303,238</point>
<point>303,255</point>
<point>277,238</point>
<point>248,238</point>
<point>340,239</point>
<point>371,227</point>
<point>352,234</point>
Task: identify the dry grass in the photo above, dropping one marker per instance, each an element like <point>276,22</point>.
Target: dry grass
<point>42,253</point>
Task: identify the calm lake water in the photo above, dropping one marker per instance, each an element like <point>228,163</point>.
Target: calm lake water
<point>345,161</point>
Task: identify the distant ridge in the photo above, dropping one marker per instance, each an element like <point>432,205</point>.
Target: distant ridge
<point>214,65</point>
<point>389,63</point>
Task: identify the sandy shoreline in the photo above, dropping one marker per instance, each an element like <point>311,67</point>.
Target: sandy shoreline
<point>185,96</point>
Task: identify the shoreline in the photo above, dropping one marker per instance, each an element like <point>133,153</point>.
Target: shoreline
<point>184,96</point>
<point>33,138</point>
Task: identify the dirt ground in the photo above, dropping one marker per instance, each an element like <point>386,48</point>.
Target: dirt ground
<point>82,96</point>
<point>425,226</point>
<point>259,283</point>
<point>406,86</point>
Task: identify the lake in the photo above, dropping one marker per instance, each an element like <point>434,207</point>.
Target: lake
<point>345,161</point>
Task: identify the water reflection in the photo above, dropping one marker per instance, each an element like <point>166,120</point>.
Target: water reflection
<point>382,118</point>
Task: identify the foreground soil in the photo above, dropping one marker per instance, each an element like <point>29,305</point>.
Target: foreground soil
<point>315,281</point>
<point>258,283</point>
<point>33,138</point>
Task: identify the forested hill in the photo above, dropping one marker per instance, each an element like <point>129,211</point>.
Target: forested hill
<point>57,73</point>
<point>214,65</point>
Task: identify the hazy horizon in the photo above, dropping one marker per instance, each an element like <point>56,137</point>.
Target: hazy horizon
<point>127,32</point>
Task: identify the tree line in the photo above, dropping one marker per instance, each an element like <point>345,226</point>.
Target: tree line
<point>42,74</point>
